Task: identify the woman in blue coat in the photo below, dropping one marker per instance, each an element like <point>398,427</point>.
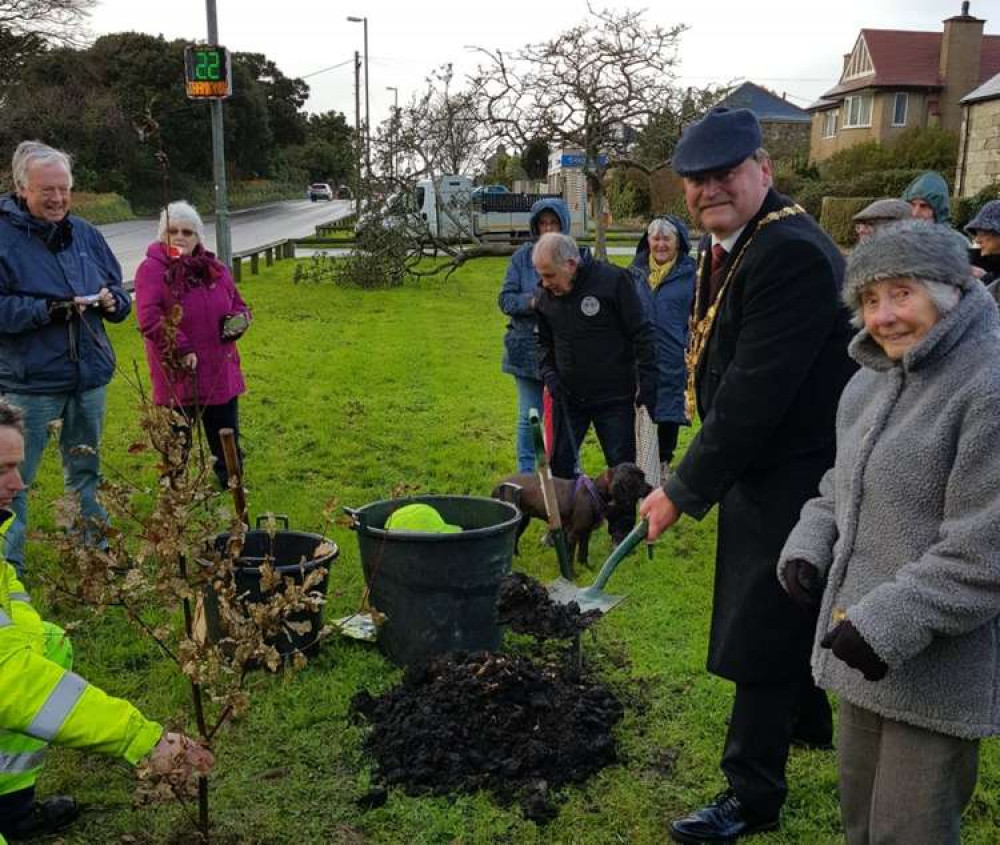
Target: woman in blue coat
<point>517,301</point>
<point>664,277</point>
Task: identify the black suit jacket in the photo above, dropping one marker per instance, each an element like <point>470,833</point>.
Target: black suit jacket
<point>772,372</point>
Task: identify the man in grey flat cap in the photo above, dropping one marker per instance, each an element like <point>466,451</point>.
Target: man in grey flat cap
<point>767,361</point>
<point>880,213</point>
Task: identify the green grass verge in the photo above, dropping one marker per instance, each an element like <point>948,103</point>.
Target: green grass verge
<point>101,208</point>
<point>354,395</point>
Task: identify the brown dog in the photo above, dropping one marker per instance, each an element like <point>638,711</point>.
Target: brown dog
<point>583,504</point>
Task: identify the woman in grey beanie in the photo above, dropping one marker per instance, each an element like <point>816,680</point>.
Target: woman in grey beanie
<point>901,546</point>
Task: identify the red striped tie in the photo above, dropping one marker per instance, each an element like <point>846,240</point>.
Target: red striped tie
<point>719,256</point>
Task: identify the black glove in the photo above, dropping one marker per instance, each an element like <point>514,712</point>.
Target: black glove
<point>802,583</point>
<point>557,390</point>
<point>61,310</point>
<point>848,644</point>
<point>646,398</point>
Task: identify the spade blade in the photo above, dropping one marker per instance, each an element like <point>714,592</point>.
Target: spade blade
<point>562,591</point>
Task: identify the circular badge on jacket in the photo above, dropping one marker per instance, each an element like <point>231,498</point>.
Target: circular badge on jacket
<point>590,306</point>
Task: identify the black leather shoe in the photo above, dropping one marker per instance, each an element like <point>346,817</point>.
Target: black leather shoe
<point>724,820</point>
<point>45,817</point>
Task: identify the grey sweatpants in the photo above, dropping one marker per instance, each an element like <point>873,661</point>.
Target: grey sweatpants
<point>900,784</point>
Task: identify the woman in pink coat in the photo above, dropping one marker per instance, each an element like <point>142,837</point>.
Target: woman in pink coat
<point>191,315</point>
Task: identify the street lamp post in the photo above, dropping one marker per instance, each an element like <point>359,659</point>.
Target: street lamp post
<point>368,140</point>
<point>223,241</point>
<point>395,130</point>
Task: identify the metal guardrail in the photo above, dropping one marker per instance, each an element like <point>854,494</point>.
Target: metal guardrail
<point>274,251</point>
<point>342,224</point>
<point>279,250</point>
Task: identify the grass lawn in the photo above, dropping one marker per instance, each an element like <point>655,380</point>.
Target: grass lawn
<point>358,396</point>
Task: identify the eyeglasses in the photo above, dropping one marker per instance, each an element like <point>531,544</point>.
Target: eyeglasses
<point>187,233</point>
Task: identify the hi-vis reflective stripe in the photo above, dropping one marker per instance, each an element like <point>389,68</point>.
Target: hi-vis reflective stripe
<point>5,619</point>
<point>18,764</point>
<point>20,597</point>
<point>57,707</point>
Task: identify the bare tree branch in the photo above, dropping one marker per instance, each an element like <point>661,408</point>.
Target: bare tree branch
<point>56,21</point>
<point>589,88</point>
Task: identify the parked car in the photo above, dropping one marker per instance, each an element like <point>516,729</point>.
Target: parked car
<point>479,190</point>
<point>320,191</point>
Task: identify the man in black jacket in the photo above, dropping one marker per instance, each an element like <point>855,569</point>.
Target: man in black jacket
<point>767,362</point>
<point>596,352</point>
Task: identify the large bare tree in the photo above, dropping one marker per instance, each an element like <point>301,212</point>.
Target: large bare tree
<point>439,131</point>
<point>589,88</point>
<point>53,21</point>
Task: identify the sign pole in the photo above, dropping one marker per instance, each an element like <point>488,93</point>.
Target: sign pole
<point>223,241</point>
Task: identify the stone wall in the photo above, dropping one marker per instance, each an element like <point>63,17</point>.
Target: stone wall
<point>786,140</point>
<point>979,148</point>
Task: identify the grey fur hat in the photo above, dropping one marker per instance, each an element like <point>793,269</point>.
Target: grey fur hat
<point>913,249</point>
<point>882,210</point>
<point>986,220</point>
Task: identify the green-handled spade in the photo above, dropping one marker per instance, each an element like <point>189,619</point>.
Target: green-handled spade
<point>593,597</point>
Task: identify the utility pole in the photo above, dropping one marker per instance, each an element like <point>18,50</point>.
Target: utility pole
<point>394,136</point>
<point>223,241</point>
<point>357,134</point>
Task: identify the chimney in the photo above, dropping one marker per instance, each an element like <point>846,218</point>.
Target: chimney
<point>958,66</point>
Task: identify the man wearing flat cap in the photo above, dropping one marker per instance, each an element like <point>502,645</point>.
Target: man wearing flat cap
<point>767,361</point>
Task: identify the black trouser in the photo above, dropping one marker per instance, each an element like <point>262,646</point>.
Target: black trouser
<point>666,435</point>
<point>764,719</point>
<point>614,425</point>
<point>15,806</point>
<point>214,418</point>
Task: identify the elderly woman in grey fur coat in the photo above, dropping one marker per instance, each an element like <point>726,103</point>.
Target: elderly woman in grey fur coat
<point>902,547</point>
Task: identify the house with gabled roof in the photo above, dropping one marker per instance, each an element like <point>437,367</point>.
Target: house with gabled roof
<point>784,125</point>
<point>894,80</point>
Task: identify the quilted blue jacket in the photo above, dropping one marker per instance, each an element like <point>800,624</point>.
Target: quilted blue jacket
<point>41,261</point>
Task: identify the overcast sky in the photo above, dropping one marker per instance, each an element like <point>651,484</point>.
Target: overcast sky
<point>794,47</point>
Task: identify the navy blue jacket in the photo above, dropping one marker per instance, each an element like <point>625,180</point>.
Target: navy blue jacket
<point>519,286</point>
<point>669,309</point>
<point>41,261</point>
<point>595,344</point>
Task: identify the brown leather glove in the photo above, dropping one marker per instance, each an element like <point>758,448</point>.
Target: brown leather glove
<point>847,644</point>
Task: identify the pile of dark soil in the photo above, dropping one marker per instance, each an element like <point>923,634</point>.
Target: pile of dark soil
<point>525,605</point>
<point>490,721</point>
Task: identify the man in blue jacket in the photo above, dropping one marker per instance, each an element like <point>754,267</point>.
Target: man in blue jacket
<point>59,282</point>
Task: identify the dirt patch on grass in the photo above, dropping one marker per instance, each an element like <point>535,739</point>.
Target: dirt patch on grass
<point>491,721</point>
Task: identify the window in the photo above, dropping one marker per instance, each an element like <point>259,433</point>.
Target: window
<point>830,123</point>
<point>858,111</point>
<point>899,109</point>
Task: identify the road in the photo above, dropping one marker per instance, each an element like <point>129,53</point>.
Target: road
<point>251,227</point>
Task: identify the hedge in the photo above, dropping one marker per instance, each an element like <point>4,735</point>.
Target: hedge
<point>101,208</point>
<point>836,216</point>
